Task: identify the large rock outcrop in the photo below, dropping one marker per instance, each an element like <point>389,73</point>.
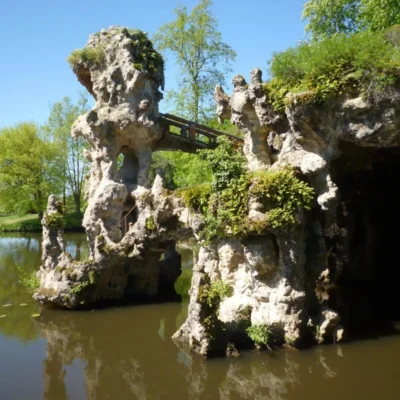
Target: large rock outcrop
<point>269,286</point>
<point>129,225</point>
<point>300,284</point>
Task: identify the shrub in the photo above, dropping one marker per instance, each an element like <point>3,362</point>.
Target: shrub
<point>196,198</point>
<point>225,204</point>
<point>320,69</point>
<point>54,220</point>
<point>393,35</point>
<point>259,334</point>
<point>213,293</point>
<point>226,163</point>
<point>22,226</point>
<point>87,55</point>
<point>150,224</point>
<point>282,195</point>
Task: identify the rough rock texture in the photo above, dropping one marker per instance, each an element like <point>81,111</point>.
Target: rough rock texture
<point>297,281</point>
<point>129,226</point>
<point>294,283</point>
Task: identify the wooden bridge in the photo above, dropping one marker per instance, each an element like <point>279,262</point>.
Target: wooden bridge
<point>190,136</point>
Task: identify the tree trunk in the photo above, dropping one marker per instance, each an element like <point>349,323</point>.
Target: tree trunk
<point>77,200</point>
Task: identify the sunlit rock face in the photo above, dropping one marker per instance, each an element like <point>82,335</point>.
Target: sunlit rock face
<point>129,225</point>
<point>295,282</point>
<point>315,282</point>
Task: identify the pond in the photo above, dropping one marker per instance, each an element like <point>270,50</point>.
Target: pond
<point>127,352</point>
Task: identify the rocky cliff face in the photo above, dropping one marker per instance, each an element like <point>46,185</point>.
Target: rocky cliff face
<point>129,225</point>
<point>308,283</point>
<point>293,283</point>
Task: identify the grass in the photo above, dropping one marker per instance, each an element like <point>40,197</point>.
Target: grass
<point>13,219</point>
<point>31,223</point>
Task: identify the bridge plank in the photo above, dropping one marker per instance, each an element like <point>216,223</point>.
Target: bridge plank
<point>204,128</point>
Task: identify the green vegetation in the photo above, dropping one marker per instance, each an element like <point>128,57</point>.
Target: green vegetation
<point>283,195</point>
<point>365,62</point>
<point>146,57</point>
<point>150,224</point>
<point>224,204</point>
<point>79,287</point>
<point>31,223</point>
<point>54,221</point>
<point>92,277</point>
<point>15,223</point>
<point>87,55</point>
<point>180,169</point>
<point>259,334</point>
<point>327,18</point>
<point>27,169</point>
<point>213,293</point>
<point>182,284</point>
<point>72,166</point>
<point>204,59</point>
<point>28,279</point>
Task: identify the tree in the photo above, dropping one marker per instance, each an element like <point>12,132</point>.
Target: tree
<point>327,17</point>
<point>73,164</point>
<point>27,169</point>
<point>379,15</point>
<point>203,58</point>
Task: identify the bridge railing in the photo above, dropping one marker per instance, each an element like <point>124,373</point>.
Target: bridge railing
<point>195,132</point>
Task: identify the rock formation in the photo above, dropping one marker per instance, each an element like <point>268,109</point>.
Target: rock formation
<point>279,284</point>
<point>129,225</point>
<point>300,283</point>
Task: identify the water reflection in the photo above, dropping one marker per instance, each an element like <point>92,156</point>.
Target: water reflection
<point>126,353</point>
<point>16,304</point>
<point>125,356</point>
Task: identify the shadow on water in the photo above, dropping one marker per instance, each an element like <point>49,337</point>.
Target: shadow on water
<point>127,352</point>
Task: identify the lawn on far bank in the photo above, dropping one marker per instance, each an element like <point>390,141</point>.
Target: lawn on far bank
<point>31,223</point>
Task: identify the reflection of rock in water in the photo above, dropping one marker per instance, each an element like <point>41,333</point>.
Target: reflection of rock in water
<point>126,358</point>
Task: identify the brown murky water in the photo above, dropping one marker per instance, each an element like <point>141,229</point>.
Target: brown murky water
<point>126,352</point>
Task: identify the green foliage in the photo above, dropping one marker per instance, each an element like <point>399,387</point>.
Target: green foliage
<point>327,18</point>
<point>92,277</point>
<point>196,198</point>
<point>73,222</point>
<point>28,166</point>
<point>393,35</point>
<point>180,169</point>
<point>204,59</point>
<point>27,223</point>
<point>225,203</point>
<point>259,334</point>
<point>87,55</point>
<point>183,283</point>
<point>213,293</point>
<point>145,56</point>
<point>364,62</point>
<point>79,287</point>
<point>378,15</point>
<point>72,166</point>
<point>282,195</point>
<point>54,220</point>
<point>226,163</point>
<point>28,279</point>
<point>150,224</point>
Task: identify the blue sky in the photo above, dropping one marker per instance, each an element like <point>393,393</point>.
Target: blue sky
<point>38,35</point>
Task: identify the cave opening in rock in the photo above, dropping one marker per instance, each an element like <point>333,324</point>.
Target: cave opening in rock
<point>367,258</point>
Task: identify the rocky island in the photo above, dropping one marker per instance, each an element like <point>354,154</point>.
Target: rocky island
<point>304,218</point>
